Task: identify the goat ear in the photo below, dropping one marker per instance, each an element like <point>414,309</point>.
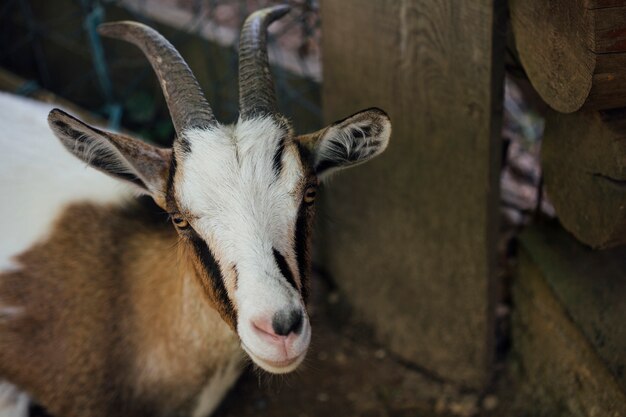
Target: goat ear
<point>131,160</point>
<point>348,142</point>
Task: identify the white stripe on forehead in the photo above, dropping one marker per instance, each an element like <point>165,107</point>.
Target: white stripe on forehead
<point>228,184</point>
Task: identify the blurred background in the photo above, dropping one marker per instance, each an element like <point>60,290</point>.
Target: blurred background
<point>55,46</point>
<point>446,283</point>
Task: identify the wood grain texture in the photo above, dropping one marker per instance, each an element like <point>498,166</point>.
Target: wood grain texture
<point>609,80</point>
<point>609,30</point>
<point>601,4</point>
<point>584,165</point>
<point>411,236</point>
<point>573,51</point>
<point>552,39</point>
<point>591,287</point>
<point>568,334</point>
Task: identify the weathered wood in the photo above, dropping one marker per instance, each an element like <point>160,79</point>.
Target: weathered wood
<point>601,4</point>
<point>414,245</point>
<point>573,51</point>
<point>590,285</point>
<point>609,34</point>
<point>610,73</point>
<point>552,44</point>
<point>584,165</point>
<point>568,332</point>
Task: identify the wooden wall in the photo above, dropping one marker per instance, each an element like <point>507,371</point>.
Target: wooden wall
<point>410,237</point>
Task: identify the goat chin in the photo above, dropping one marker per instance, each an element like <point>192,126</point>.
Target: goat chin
<point>277,367</point>
<point>280,359</point>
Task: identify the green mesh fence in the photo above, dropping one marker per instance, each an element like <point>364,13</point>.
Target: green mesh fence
<point>54,45</point>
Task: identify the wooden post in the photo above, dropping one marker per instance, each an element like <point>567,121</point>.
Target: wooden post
<point>411,236</point>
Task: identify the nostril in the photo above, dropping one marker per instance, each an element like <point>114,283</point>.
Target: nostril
<point>286,322</point>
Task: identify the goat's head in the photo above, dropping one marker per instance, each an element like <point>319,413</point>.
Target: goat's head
<point>241,197</point>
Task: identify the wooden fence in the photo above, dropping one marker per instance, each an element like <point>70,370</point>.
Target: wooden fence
<point>414,246</point>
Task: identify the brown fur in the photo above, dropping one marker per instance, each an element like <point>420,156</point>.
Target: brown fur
<point>119,328</point>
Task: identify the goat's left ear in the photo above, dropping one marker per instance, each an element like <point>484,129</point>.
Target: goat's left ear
<point>144,166</point>
<point>348,142</point>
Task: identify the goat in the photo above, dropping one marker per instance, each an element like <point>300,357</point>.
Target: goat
<point>106,309</point>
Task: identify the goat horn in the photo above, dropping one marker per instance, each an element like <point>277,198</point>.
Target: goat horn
<point>185,100</point>
<point>256,87</point>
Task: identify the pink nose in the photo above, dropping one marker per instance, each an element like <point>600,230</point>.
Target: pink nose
<point>283,326</point>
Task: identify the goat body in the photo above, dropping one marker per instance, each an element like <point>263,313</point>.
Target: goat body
<point>119,327</point>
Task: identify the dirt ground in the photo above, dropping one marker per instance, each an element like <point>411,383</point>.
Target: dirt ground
<point>346,374</point>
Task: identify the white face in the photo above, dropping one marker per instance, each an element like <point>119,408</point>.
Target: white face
<point>241,190</point>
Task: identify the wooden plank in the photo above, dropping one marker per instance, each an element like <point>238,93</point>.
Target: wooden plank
<point>609,30</point>
<point>412,235</point>
<point>590,286</point>
<point>584,167</point>
<point>568,333</point>
<point>554,42</point>
<point>609,80</point>
<point>601,4</point>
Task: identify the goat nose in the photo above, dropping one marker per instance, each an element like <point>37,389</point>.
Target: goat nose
<point>286,322</point>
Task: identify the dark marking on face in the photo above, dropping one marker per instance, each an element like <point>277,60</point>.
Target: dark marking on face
<point>184,145</point>
<point>215,277</point>
<point>303,223</point>
<point>236,275</point>
<point>302,243</point>
<point>284,268</point>
<point>278,157</point>
<point>306,157</point>
<point>169,188</point>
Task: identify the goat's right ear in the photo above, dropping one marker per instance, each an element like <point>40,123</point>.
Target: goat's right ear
<point>348,142</point>
<point>131,160</point>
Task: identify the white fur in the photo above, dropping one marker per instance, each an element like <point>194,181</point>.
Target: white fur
<point>339,141</point>
<point>39,177</point>
<point>228,187</point>
<point>215,390</point>
<point>13,402</point>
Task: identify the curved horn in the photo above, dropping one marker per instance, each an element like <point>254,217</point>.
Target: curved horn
<point>188,107</point>
<point>256,87</point>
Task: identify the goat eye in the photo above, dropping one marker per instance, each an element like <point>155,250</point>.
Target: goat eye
<point>309,195</point>
<point>180,222</point>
